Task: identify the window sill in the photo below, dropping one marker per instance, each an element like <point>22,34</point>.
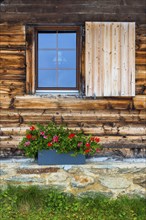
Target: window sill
<point>57,92</point>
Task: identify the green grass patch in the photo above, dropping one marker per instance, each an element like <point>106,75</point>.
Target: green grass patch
<point>34,203</point>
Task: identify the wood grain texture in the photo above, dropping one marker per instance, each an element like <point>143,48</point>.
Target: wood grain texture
<point>110,59</point>
<point>36,102</point>
<point>10,87</point>
<point>12,35</point>
<point>30,60</point>
<point>52,11</point>
<point>118,121</point>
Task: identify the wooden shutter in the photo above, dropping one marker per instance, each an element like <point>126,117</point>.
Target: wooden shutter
<point>110,59</point>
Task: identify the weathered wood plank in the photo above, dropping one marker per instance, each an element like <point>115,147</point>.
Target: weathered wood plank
<point>35,102</point>
<point>107,83</point>
<point>70,17</point>
<point>11,29</point>
<point>16,131</point>
<point>140,102</point>
<point>12,35</point>
<point>12,87</point>
<point>9,60</point>
<point>131,129</point>
<point>88,57</point>
<point>131,59</point>
<point>59,3</point>
<point>8,40</point>
<point>5,101</point>
<point>115,59</point>
<point>12,74</point>
<point>140,74</point>
<point>110,118</point>
<point>30,61</point>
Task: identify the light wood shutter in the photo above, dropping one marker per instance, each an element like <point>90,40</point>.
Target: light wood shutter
<point>110,59</point>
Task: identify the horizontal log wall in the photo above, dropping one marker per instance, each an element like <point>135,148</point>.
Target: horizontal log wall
<point>120,122</point>
<point>74,11</point>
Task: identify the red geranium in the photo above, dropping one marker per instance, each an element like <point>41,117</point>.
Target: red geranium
<point>92,139</point>
<point>28,136</point>
<point>87,151</point>
<point>32,128</point>
<point>55,138</point>
<point>87,144</point>
<point>96,139</point>
<point>50,144</point>
<point>34,138</point>
<point>71,135</point>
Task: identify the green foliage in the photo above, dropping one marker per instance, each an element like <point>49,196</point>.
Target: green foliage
<point>34,203</point>
<point>60,138</point>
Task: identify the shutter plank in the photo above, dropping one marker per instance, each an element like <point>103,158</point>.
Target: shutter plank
<point>88,59</point>
<point>132,59</point>
<point>115,62</point>
<point>124,59</point>
<point>102,59</point>
<point>95,61</point>
<point>107,75</point>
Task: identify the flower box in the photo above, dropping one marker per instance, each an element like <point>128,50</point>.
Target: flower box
<point>51,157</point>
<point>56,144</point>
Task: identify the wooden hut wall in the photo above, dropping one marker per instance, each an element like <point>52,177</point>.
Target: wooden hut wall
<point>119,121</point>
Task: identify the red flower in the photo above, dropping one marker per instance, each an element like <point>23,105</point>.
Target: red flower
<point>34,138</point>
<point>50,144</point>
<point>87,151</point>
<point>96,139</point>
<point>71,135</point>
<point>32,128</point>
<point>92,139</point>
<point>87,144</point>
<point>55,139</point>
<point>28,136</point>
<point>80,144</point>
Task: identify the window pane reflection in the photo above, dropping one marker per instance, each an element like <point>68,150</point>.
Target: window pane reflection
<point>66,78</point>
<point>47,78</point>
<point>67,40</point>
<point>57,60</point>
<point>45,59</point>
<point>66,59</point>
<point>47,40</point>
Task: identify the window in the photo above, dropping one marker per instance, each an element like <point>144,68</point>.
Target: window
<point>57,56</point>
<point>53,59</point>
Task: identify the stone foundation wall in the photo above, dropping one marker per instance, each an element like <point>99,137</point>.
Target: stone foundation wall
<point>108,177</point>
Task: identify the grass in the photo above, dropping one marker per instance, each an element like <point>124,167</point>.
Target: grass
<point>33,203</point>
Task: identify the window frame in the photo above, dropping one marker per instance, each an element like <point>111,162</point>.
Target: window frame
<point>32,60</point>
<point>46,29</point>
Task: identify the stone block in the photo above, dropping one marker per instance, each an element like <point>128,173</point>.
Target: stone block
<point>81,181</point>
<point>21,179</point>
<point>114,182</point>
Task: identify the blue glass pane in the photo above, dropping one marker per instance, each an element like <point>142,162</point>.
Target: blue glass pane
<point>66,59</point>
<point>67,40</point>
<point>46,40</point>
<point>47,78</point>
<point>67,78</point>
<point>46,59</point>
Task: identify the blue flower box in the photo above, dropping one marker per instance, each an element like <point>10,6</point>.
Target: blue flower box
<point>51,157</point>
